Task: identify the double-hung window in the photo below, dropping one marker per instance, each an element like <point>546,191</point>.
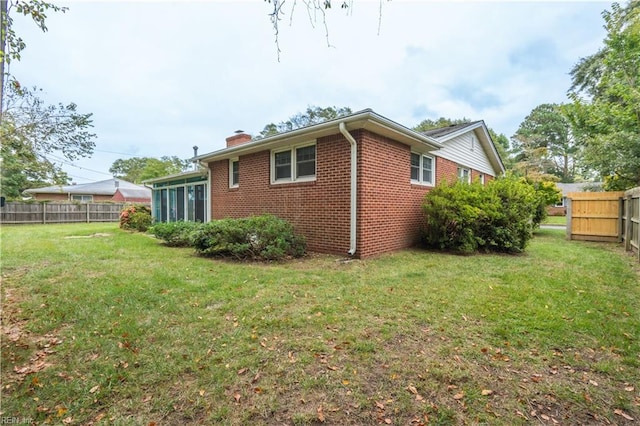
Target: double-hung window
<point>422,169</point>
<point>234,173</point>
<point>464,175</point>
<point>82,198</point>
<point>294,164</point>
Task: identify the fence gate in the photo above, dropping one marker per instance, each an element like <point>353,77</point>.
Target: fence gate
<point>594,216</point>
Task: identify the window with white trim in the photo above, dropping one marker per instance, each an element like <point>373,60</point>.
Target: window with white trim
<point>234,173</point>
<point>294,164</point>
<point>82,198</point>
<point>422,169</point>
<point>464,175</point>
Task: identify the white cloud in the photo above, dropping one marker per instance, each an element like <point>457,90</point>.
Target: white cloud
<point>161,77</point>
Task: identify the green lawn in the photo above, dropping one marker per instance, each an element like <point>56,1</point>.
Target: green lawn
<point>115,328</point>
<point>555,220</point>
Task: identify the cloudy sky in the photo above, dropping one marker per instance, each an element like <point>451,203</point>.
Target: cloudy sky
<point>161,77</point>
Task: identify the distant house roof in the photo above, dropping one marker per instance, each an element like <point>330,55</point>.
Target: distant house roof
<point>103,187</point>
<point>579,187</point>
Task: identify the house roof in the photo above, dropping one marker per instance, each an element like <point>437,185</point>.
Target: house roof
<point>365,119</point>
<point>184,175</point>
<point>103,187</point>
<point>566,188</point>
<point>445,131</point>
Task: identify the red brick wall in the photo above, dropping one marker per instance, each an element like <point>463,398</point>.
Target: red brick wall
<point>446,170</point>
<point>389,213</point>
<point>389,205</point>
<point>318,210</point>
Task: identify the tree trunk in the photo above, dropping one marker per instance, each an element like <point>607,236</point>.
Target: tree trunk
<point>4,4</point>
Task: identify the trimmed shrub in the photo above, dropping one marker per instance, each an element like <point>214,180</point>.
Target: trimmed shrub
<point>136,218</point>
<point>471,217</point>
<point>176,234</point>
<point>263,237</point>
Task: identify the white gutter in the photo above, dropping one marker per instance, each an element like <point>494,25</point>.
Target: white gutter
<point>354,188</point>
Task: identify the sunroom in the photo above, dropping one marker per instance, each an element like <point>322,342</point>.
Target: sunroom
<point>180,197</point>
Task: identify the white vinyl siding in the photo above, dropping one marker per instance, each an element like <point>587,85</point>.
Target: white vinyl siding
<point>459,150</point>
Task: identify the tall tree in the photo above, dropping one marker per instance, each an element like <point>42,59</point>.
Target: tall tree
<point>312,115</point>
<point>429,124</point>
<point>138,169</point>
<point>34,137</point>
<point>12,45</point>
<point>605,113</point>
<point>547,132</point>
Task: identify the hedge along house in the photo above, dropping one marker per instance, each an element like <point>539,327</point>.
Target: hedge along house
<point>181,196</point>
<point>352,185</point>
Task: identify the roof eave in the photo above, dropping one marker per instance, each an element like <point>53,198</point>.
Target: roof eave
<point>367,119</point>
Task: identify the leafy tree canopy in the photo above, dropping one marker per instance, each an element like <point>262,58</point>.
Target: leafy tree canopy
<point>138,169</point>
<point>11,44</point>
<point>35,137</point>
<point>312,115</point>
<point>605,113</point>
<point>544,142</point>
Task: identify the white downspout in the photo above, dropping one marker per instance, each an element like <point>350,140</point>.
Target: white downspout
<point>354,188</point>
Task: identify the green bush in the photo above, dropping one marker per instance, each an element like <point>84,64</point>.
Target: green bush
<point>176,234</point>
<point>136,218</point>
<point>473,217</point>
<point>263,237</point>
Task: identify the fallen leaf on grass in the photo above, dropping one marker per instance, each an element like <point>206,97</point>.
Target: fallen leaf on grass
<point>94,389</point>
<point>201,392</point>
<point>242,371</point>
<point>237,397</point>
<point>459,395</point>
<point>412,389</point>
<point>629,388</point>
<point>380,405</point>
<point>486,392</point>
<point>68,420</point>
<point>623,414</point>
<point>320,414</point>
<point>387,421</point>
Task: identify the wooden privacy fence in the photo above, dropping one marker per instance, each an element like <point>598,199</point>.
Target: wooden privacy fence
<point>23,213</point>
<point>630,231</point>
<point>605,216</point>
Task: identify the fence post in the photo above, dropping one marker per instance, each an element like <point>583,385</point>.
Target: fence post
<point>628,223</point>
<point>88,212</point>
<point>568,230</point>
<point>44,213</point>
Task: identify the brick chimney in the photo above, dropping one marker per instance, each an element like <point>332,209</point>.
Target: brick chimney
<point>239,138</point>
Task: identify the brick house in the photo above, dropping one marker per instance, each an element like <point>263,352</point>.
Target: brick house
<point>352,185</point>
